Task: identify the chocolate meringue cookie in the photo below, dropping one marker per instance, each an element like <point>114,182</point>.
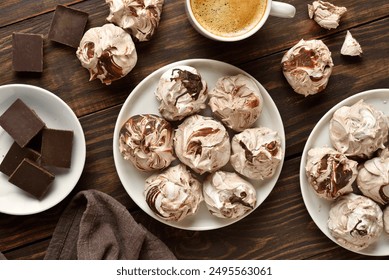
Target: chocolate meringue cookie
<point>386,219</point>
<point>236,101</point>
<point>181,92</point>
<point>202,143</point>
<point>256,152</point>
<point>147,141</point>
<point>227,195</point>
<point>351,46</point>
<point>173,194</point>
<point>307,66</point>
<point>330,173</point>
<point>358,130</point>
<point>355,221</point>
<point>108,52</point>
<point>139,17</point>
<point>326,14</point>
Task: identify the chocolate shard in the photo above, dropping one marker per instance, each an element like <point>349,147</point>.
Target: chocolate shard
<point>68,26</point>
<point>56,147</point>
<point>21,123</point>
<point>15,156</point>
<point>27,52</point>
<point>32,178</point>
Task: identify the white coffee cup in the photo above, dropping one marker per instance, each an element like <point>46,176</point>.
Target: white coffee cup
<point>273,8</point>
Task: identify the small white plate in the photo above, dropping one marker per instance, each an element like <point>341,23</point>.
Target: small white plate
<point>142,100</point>
<point>57,115</point>
<point>318,207</point>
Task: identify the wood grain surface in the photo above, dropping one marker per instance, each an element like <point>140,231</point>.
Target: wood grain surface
<point>281,227</point>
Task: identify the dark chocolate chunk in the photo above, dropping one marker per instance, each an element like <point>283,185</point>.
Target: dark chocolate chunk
<point>27,52</point>
<point>68,26</point>
<point>32,178</point>
<point>21,122</point>
<point>56,147</point>
<point>15,156</point>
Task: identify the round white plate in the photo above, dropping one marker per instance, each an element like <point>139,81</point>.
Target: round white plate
<point>142,100</point>
<point>319,208</point>
<point>57,115</point>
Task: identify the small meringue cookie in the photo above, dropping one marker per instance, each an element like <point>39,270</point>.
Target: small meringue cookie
<point>326,14</point>
<point>139,17</point>
<point>202,143</point>
<point>174,194</point>
<point>256,152</point>
<point>227,195</point>
<point>147,141</point>
<point>351,46</point>
<point>386,219</point>
<point>307,66</point>
<point>358,130</point>
<point>108,52</point>
<point>236,101</point>
<point>355,221</point>
<point>181,92</point>
<point>330,173</point>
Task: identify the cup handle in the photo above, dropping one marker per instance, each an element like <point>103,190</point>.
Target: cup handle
<point>283,10</point>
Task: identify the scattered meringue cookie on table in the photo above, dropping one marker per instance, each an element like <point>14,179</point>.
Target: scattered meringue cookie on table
<point>307,66</point>
<point>108,53</point>
<point>355,221</point>
<point>330,173</point>
<point>236,101</point>
<point>351,46</point>
<point>326,14</point>
<point>181,92</point>
<point>139,17</point>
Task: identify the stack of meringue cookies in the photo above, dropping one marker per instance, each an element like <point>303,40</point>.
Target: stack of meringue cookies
<point>202,144</point>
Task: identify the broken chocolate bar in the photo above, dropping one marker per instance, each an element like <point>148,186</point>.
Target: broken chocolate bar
<point>27,52</point>
<point>21,122</point>
<point>32,178</point>
<point>68,26</point>
<point>56,147</point>
<point>15,156</point>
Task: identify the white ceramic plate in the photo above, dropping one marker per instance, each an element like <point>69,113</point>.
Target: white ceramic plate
<point>142,100</point>
<point>319,208</point>
<point>57,115</point>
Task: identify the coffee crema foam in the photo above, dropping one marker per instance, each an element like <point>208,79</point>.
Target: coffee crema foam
<point>228,18</point>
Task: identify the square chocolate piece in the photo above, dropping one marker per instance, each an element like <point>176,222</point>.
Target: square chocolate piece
<point>27,52</point>
<point>56,147</point>
<point>21,122</point>
<point>15,156</point>
<point>32,178</point>
<point>68,26</point>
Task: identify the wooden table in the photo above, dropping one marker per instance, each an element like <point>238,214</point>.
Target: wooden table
<point>281,227</point>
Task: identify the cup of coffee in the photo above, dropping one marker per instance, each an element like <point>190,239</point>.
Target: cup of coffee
<point>233,20</point>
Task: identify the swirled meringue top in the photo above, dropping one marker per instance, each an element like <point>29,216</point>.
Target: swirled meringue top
<point>181,92</point>
<point>307,66</point>
<point>173,194</point>
<point>236,101</point>
<point>108,52</point>
<point>256,152</point>
<point>358,130</point>
<point>139,17</point>
<point>147,141</point>
<point>326,14</point>
<point>330,173</point>
<point>227,195</point>
<point>355,221</point>
<point>202,143</point>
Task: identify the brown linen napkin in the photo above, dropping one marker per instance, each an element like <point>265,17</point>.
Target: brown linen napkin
<point>95,226</point>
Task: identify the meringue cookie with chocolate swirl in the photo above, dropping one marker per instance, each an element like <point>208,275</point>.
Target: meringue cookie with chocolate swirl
<point>227,195</point>
<point>174,194</point>
<point>139,17</point>
<point>147,141</point>
<point>358,130</point>
<point>236,101</point>
<point>181,92</point>
<point>108,53</point>
<point>256,152</point>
